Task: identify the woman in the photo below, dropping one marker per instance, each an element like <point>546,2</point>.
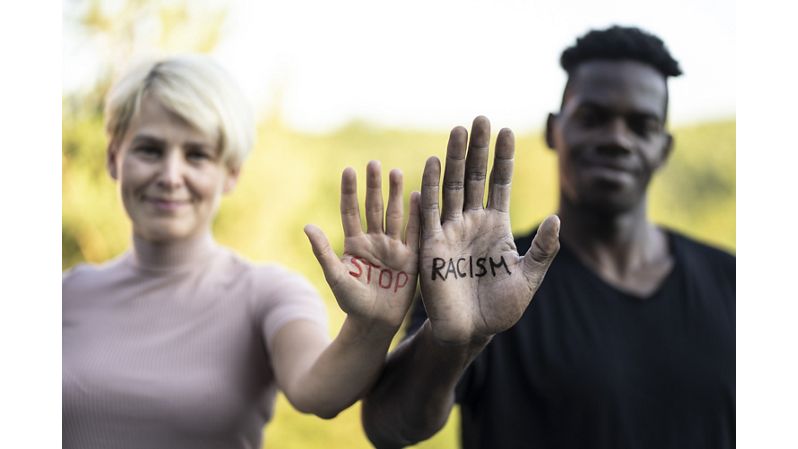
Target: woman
<point>180,342</point>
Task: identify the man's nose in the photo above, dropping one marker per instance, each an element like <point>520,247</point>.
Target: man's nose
<point>617,140</point>
<point>172,168</point>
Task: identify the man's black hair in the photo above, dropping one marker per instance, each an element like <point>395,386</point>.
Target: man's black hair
<point>619,43</point>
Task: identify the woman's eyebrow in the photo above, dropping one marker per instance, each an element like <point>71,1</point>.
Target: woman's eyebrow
<point>144,138</point>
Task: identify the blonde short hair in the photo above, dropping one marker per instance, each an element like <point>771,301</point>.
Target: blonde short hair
<point>195,88</point>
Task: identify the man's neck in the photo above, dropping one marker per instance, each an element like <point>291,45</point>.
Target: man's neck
<point>624,249</point>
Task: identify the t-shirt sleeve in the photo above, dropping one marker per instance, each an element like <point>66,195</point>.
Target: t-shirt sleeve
<point>74,282</point>
<point>283,296</point>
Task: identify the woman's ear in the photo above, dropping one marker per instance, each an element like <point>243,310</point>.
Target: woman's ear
<point>112,152</point>
<point>231,180</point>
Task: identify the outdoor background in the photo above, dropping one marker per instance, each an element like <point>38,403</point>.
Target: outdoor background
<point>292,177</point>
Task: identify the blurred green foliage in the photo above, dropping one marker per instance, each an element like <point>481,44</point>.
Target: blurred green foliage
<point>292,179</point>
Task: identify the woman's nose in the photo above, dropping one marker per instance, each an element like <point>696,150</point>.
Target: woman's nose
<point>171,173</point>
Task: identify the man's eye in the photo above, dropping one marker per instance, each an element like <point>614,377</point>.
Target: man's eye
<point>588,117</point>
<point>645,126</point>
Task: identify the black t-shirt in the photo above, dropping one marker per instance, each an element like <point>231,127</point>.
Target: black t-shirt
<point>589,366</point>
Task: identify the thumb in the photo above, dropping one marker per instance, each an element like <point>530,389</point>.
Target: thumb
<point>324,254</point>
<point>542,250</point>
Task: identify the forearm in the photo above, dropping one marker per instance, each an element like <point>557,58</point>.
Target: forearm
<point>344,370</point>
<point>415,393</point>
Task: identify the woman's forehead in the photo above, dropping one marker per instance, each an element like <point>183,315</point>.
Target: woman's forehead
<point>155,121</point>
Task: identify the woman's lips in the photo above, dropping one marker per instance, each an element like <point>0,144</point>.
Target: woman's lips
<point>167,205</point>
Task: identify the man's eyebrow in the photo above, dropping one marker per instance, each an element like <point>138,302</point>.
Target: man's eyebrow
<point>645,115</point>
<point>638,113</point>
<point>589,104</point>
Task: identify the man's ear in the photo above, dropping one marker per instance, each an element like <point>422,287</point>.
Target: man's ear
<point>667,149</point>
<point>232,179</point>
<point>551,122</point>
<point>111,154</point>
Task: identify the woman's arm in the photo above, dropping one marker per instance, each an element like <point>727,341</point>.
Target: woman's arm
<point>374,283</point>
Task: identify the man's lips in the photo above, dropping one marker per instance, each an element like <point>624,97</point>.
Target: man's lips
<point>610,164</point>
<point>609,171</point>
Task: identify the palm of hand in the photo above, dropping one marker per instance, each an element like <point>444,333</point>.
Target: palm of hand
<point>473,281</point>
<point>375,279</point>
<point>381,277</point>
<point>473,268</point>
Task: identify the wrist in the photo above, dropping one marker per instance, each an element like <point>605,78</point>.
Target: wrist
<point>460,341</point>
<point>356,329</point>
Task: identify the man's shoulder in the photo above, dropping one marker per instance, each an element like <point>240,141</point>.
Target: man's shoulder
<point>702,263</point>
<point>691,247</point>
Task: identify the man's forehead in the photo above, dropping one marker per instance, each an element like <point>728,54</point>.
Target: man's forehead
<point>619,84</point>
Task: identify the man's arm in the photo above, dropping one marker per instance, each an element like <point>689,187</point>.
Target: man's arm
<point>474,285</point>
<point>416,392</point>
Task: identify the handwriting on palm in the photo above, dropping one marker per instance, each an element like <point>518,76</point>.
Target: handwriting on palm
<point>375,279</point>
<point>473,281</point>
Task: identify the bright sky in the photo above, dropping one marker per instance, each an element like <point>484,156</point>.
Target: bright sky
<point>435,64</point>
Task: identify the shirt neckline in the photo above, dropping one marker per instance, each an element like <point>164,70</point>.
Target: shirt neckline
<point>172,257</point>
<point>667,280</point>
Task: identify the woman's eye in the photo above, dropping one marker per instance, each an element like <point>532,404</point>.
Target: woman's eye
<point>149,151</point>
<point>198,155</point>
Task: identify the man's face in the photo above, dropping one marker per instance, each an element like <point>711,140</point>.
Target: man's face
<point>610,135</point>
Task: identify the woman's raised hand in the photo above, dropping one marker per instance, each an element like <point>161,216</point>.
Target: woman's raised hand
<point>375,279</point>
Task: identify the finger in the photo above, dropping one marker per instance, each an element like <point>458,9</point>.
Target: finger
<point>413,222</point>
<point>350,211</point>
<point>502,173</point>
<point>453,174</point>
<point>542,250</point>
<point>330,264</point>
<point>394,214</point>
<point>477,163</point>
<point>430,216</point>
<point>374,208</point>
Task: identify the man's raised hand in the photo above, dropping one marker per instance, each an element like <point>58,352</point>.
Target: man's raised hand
<point>473,281</point>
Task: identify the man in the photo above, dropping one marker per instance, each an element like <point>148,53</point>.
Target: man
<point>629,342</point>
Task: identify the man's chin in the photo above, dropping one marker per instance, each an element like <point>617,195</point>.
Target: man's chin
<point>611,204</point>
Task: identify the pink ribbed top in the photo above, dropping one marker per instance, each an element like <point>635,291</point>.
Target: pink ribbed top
<point>169,348</point>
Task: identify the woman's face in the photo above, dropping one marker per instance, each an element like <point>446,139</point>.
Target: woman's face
<point>170,174</point>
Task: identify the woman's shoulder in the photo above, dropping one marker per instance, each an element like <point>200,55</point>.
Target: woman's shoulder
<point>267,278</point>
<point>85,271</point>
<point>83,278</point>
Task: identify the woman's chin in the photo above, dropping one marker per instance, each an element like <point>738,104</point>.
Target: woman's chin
<point>166,232</point>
